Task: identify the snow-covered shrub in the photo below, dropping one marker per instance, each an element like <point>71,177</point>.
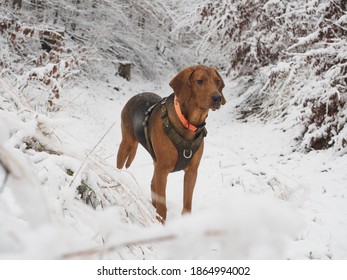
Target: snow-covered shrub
<point>313,87</point>
<point>52,41</point>
<point>43,204</point>
<point>246,35</point>
<point>37,72</point>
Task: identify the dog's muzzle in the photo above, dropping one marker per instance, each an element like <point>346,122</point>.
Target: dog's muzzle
<point>216,102</point>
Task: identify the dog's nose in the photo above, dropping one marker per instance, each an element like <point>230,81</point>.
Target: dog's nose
<point>216,99</point>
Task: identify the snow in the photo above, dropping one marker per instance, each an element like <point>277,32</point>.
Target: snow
<point>262,191</point>
<point>255,198</point>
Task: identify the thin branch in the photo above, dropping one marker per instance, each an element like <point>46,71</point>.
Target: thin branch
<point>98,250</point>
<point>4,181</point>
<point>67,104</point>
<point>96,145</point>
<point>336,24</point>
<point>168,237</point>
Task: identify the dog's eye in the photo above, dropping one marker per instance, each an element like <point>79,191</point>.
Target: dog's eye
<point>200,82</point>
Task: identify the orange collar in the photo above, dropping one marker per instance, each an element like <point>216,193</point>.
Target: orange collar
<point>182,118</point>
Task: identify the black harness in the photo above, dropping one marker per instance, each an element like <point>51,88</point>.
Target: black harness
<point>185,149</point>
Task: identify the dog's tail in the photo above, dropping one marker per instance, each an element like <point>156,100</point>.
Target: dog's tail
<point>126,154</point>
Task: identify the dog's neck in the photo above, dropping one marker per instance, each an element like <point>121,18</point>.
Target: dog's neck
<point>186,123</point>
<point>189,122</point>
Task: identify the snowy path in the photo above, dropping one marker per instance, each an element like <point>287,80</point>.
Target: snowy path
<point>259,159</point>
<point>243,161</point>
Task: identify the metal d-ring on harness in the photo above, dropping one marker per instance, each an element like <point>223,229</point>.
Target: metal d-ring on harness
<point>185,149</point>
<point>190,154</point>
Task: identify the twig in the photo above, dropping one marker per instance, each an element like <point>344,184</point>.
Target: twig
<point>335,23</point>
<point>97,144</point>
<point>67,104</point>
<point>94,251</point>
<point>13,95</point>
<point>7,172</point>
<point>169,237</point>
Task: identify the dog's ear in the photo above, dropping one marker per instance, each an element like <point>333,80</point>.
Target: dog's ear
<point>181,84</point>
<point>220,87</point>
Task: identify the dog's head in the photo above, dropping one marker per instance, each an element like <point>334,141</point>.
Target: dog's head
<point>200,84</point>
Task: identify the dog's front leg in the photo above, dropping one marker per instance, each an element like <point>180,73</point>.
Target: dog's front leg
<point>189,184</point>
<point>158,187</point>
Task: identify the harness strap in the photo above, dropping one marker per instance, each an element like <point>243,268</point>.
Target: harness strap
<point>185,149</point>
<point>145,127</point>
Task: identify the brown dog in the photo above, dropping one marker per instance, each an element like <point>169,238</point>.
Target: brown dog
<point>172,130</point>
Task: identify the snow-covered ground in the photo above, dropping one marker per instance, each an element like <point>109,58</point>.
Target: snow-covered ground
<point>256,197</point>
